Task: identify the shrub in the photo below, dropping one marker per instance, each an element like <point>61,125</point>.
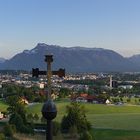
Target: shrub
<point>56,128</point>
<point>86,136</point>
<point>75,117</point>
<point>36,117</point>
<point>8,131</point>
<point>73,132</point>
<point>2,137</point>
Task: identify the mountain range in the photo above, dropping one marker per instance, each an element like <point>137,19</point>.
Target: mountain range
<point>73,59</point>
<point>2,60</point>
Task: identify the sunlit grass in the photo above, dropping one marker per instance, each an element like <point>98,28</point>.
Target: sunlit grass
<point>102,116</point>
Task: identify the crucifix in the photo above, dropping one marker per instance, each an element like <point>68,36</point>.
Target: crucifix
<point>49,110</point>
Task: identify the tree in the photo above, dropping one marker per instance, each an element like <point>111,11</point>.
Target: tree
<point>129,100</point>
<point>64,92</point>
<point>9,130</point>
<point>43,120</point>
<point>36,117</point>
<point>18,115</point>
<point>86,136</point>
<point>75,117</point>
<point>73,132</point>
<point>30,117</point>
<point>16,107</point>
<point>2,137</point>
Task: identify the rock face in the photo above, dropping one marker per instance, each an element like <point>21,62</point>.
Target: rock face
<point>74,59</point>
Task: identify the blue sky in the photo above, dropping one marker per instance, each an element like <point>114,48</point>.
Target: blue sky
<point>111,24</point>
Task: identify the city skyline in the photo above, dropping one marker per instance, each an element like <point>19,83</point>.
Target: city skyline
<point>98,23</point>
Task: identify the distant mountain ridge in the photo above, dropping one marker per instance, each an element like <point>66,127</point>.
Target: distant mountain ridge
<point>135,59</point>
<point>73,59</point>
<point>2,60</point>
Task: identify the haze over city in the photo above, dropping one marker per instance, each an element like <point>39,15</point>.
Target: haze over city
<point>110,24</point>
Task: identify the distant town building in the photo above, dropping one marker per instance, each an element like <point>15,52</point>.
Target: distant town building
<point>24,101</point>
<point>126,86</point>
<point>41,85</point>
<point>110,84</point>
<point>107,101</point>
<point>114,84</point>
<point>1,115</point>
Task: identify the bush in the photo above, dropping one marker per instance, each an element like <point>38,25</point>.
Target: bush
<point>73,132</point>
<point>30,117</point>
<point>16,120</point>
<point>75,117</point>
<point>56,128</point>
<point>8,130</point>
<point>43,120</point>
<point>2,137</point>
<point>86,136</point>
<point>36,117</point>
<point>65,125</point>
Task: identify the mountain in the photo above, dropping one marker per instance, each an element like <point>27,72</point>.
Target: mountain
<point>2,60</point>
<point>73,59</point>
<point>135,59</point>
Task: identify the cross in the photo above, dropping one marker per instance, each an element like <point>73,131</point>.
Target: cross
<point>49,110</point>
<point>36,72</point>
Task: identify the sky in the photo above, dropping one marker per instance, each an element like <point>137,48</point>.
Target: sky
<point>109,24</point>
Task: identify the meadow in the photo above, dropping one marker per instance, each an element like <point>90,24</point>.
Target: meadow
<point>3,106</point>
<point>123,117</point>
<point>109,122</point>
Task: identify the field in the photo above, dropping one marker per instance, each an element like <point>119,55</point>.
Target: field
<point>3,106</point>
<point>109,122</point>
<point>109,134</point>
<point>103,116</point>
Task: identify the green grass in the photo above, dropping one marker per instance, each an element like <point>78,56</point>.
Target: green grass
<point>108,134</point>
<point>116,121</point>
<point>60,107</point>
<point>99,134</point>
<point>109,122</point>
<point>133,100</point>
<point>102,116</point>
<point>110,109</point>
<point>90,108</point>
<point>3,106</point>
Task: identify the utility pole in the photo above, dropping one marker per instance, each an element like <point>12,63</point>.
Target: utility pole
<point>49,110</point>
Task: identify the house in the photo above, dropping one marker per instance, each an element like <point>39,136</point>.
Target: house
<point>81,99</point>
<point>24,101</point>
<point>126,86</point>
<point>107,101</point>
<point>85,98</point>
<point>54,96</point>
<point>1,115</point>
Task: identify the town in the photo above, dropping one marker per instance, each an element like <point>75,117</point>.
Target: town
<point>81,87</point>
<point>96,91</point>
<point>104,88</point>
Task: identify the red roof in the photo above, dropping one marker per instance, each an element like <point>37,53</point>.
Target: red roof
<point>83,95</point>
<point>91,97</point>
